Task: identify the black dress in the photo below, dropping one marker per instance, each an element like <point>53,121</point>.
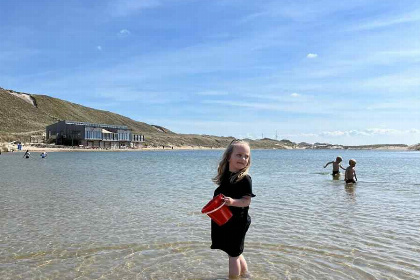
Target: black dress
<point>230,237</point>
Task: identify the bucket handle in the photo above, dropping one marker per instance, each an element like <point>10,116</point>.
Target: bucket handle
<point>214,210</point>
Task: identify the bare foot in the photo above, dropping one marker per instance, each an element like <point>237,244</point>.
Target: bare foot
<point>246,275</point>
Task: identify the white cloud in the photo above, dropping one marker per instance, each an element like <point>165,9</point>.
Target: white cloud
<point>312,55</point>
<point>124,32</point>
<point>122,8</point>
<point>252,105</point>
<point>271,106</point>
<point>334,133</point>
<point>127,94</point>
<point>398,54</point>
<point>359,136</point>
<point>99,48</point>
<point>384,131</point>
<point>402,105</point>
<point>295,94</point>
<point>399,82</point>
<point>368,132</point>
<point>212,93</point>
<point>385,22</point>
<point>300,135</point>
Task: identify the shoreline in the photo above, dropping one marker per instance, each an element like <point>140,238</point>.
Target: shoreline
<point>36,148</point>
<point>39,148</point>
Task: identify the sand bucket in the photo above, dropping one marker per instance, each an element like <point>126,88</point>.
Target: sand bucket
<point>217,210</point>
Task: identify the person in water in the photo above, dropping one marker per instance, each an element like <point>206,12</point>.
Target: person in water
<point>336,166</point>
<point>236,185</point>
<point>26,154</point>
<point>43,155</point>
<point>350,175</point>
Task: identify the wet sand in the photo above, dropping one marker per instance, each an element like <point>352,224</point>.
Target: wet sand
<point>48,149</point>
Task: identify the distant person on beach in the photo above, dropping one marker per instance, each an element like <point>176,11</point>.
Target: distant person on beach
<point>336,166</point>
<point>43,155</point>
<point>236,185</point>
<point>26,154</point>
<point>350,175</point>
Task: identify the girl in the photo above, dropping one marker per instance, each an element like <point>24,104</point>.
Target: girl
<point>236,185</point>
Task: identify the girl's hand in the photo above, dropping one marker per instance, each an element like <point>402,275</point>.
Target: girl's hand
<point>228,201</point>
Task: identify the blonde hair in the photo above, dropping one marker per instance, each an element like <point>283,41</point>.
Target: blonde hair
<point>223,168</point>
<point>352,161</point>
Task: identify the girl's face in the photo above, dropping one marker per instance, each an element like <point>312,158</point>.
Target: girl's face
<point>239,158</point>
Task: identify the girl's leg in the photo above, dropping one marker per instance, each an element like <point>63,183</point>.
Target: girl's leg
<point>234,267</point>
<point>244,265</point>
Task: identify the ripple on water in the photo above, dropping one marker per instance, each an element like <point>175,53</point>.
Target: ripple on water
<point>178,260</point>
<point>144,221</point>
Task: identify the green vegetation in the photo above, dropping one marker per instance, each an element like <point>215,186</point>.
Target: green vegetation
<point>20,119</point>
<point>24,115</point>
<point>415,147</point>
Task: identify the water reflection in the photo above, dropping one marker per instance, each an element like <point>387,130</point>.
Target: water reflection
<point>350,190</point>
<point>336,177</point>
<point>137,216</point>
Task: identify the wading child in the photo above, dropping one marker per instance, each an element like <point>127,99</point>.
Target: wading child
<point>236,185</point>
<point>336,166</point>
<point>350,174</point>
<point>27,154</point>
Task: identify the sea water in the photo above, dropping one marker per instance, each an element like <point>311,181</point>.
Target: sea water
<point>136,215</point>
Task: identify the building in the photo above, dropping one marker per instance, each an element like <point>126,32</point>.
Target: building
<point>106,136</point>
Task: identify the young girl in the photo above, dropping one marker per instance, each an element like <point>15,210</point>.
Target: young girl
<point>236,185</point>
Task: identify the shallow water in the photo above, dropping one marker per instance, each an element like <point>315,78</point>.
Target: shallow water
<point>136,215</point>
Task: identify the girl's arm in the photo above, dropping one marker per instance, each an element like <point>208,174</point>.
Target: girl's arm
<point>239,202</point>
<point>328,163</point>
<point>355,177</point>
<point>342,167</point>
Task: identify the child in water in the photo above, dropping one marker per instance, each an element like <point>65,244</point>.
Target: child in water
<point>26,154</point>
<point>336,166</point>
<point>350,174</point>
<point>236,185</point>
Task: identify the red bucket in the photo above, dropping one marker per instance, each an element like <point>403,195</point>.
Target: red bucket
<point>217,210</point>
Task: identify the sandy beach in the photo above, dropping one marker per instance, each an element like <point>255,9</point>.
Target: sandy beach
<point>7,147</point>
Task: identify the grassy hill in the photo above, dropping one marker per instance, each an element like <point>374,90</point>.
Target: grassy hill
<point>23,115</point>
<point>19,116</point>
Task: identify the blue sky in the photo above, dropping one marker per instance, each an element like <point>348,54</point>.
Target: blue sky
<point>343,72</point>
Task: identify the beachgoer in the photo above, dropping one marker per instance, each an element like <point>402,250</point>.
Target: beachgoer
<point>350,175</point>
<point>43,155</point>
<point>236,185</point>
<point>26,154</point>
<point>336,166</point>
